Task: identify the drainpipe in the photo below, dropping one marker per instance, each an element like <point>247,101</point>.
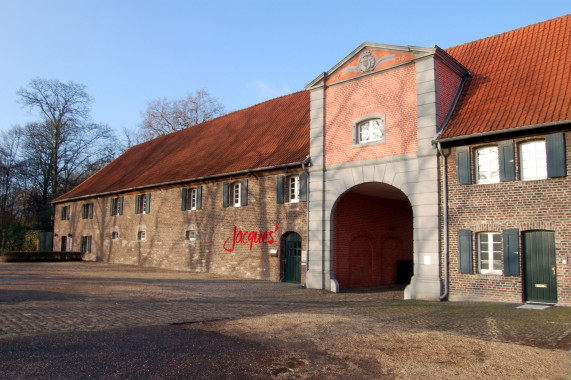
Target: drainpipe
<point>445,211</point>
<point>305,166</point>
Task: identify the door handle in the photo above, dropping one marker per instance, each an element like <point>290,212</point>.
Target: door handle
<point>554,270</point>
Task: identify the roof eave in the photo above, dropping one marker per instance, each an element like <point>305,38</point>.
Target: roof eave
<point>503,131</point>
<point>204,178</point>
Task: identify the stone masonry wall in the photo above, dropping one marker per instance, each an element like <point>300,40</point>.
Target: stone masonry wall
<point>165,227</point>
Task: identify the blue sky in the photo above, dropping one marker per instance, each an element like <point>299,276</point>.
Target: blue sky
<point>242,52</point>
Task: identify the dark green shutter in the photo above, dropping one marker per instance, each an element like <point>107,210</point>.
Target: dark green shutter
<point>199,197</point>
<point>280,189</point>
<point>556,157</point>
<point>463,165</point>
<point>112,203</point>
<point>120,206</point>
<point>90,207</point>
<point>225,191</point>
<point>511,252</point>
<point>507,160</point>
<point>183,202</point>
<point>137,197</point>
<point>89,244</point>
<point>303,186</point>
<point>465,251</point>
<point>244,192</point>
<point>148,202</point>
<point>62,207</point>
<point>82,248</point>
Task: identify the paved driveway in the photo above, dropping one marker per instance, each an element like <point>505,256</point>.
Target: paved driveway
<point>84,319</point>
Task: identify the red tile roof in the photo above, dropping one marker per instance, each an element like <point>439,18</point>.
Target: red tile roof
<point>519,78</point>
<point>268,134</point>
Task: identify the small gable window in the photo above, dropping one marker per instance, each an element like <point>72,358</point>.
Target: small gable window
<point>487,165</point>
<point>369,129</point>
<point>115,235</point>
<point>533,160</point>
<point>141,235</point>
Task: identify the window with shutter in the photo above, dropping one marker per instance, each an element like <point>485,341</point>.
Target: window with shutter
<point>463,165</point>
<point>293,189</point>
<point>303,179</point>
<point>556,155</point>
<point>489,253</point>
<point>465,256</point>
<point>487,165</point>
<point>511,252</point>
<point>280,189</point>
<point>507,160</point>
<point>533,160</point>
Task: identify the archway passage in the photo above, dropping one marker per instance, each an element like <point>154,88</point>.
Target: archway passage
<point>372,237</point>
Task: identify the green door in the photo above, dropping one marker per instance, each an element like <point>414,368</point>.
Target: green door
<point>292,258</point>
<point>540,269</point>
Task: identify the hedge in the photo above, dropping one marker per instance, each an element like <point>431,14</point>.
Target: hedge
<point>20,256</point>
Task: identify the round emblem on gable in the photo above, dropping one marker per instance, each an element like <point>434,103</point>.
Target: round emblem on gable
<point>366,62</point>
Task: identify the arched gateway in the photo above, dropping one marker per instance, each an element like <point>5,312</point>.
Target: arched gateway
<point>373,183</point>
<point>372,237</point>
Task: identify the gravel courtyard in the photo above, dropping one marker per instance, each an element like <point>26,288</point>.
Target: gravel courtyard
<point>97,320</point>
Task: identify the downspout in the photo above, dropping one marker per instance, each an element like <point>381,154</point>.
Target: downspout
<point>445,212</point>
<point>305,166</point>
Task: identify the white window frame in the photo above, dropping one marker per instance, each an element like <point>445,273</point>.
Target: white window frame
<point>484,158</point>
<point>190,235</point>
<point>141,235</point>
<point>236,194</point>
<point>533,161</point>
<point>490,250</point>
<point>71,244</point>
<point>373,121</point>
<point>293,189</point>
<point>144,204</point>
<point>192,197</point>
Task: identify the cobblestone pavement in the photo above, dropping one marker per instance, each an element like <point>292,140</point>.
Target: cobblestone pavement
<point>45,298</point>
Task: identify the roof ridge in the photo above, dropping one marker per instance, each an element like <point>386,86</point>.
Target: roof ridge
<point>507,32</point>
<point>215,118</point>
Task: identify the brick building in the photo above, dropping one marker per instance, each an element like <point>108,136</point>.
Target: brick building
<point>442,169</point>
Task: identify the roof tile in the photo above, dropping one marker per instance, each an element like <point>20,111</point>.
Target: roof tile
<point>519,78</point>
<point>268,134</point>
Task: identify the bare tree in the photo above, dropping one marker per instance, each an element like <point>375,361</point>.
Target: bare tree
<point>10,176</point>
<point>165,115</point>
<point>64,147</point>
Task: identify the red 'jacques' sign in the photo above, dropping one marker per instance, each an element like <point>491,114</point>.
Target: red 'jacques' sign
<point>250,236</point>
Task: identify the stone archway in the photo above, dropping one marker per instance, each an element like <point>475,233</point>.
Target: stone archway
<point>372,236</point>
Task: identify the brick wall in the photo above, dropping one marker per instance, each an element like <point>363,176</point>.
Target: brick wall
<point>166,224</point>
<point>391,92</point>
<point>448,82</point>
<point>525,205</point>
<point>370,235</point>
